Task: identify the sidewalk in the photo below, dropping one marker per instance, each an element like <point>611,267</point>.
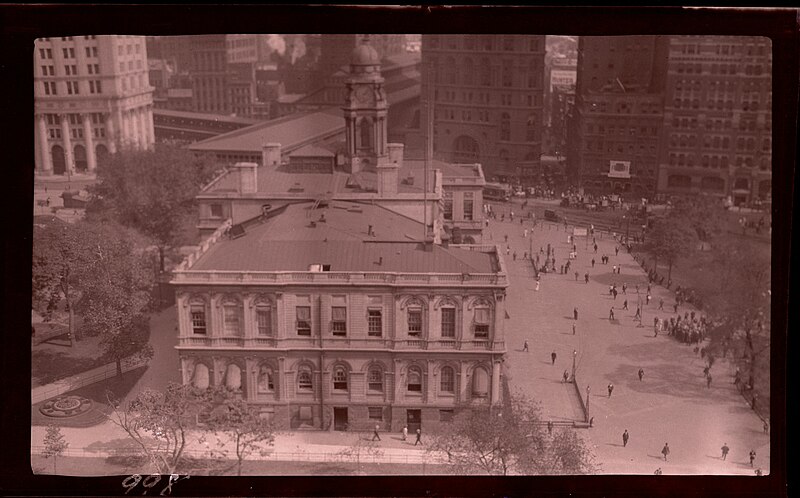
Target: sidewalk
<point>671,404</point>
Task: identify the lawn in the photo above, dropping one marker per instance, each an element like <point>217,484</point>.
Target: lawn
<point>51,362</point>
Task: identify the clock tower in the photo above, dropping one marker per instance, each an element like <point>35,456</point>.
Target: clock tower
<point>365,111</point>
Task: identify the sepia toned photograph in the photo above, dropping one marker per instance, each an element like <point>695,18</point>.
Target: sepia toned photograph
<point>499,254</point>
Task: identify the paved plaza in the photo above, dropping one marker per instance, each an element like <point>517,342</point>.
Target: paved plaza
<point>670,404</point>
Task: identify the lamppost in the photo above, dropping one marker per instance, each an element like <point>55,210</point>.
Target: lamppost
<point>588,390</point>
<point>574,355</point>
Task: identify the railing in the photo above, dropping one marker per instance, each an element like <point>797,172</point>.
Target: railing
<point>227,277</point>
<point>39,394</point>
<point>338,342</point>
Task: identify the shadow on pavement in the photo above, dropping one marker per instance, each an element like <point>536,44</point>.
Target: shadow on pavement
<point>661,457</point>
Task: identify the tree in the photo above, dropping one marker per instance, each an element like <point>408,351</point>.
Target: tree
<point>741,306</point>
<point>159,423</point>
<point>704,214</point>
<point>116,282</point>
<point>150,190</point>
<point>57,257</point>
<point>670,239</point>
<point>54,444</point>
<point>230,415</point>
<point>509,440</point>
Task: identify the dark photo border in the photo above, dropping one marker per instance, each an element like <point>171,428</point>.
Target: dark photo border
<point>21,24</point>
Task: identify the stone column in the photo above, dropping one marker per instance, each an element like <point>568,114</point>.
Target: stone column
<point>64,118</point>
<point>111,133</point>
<point>46,163</point>
<point>144,130</point>
<point>134,129</point>
<point>91,160</point>
<point>495,381</point>
<point>124,130</point>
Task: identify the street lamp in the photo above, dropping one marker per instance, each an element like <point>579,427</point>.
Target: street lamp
<point>574,355</point>
<point>588,390</point>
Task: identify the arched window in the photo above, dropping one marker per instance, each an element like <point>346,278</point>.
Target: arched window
<point>197,316</point>
<point>465,150</point>
<point>482,318</point>
<point>80,157</point>
<point>340,378</point>
<point>447,381</point>
<point>505,126</point>
<point>266,380</point>
<point>480,383</point>
<point>233,377</point>
<point>200,379</point>
<point>414,383</point>
<point>304,380</point>
<point>375,379</point>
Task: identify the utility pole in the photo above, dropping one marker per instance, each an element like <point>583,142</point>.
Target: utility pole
<point>574,355</point>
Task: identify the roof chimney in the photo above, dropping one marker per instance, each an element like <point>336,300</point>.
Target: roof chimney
<point>248,177</point>
<point>271,155</point>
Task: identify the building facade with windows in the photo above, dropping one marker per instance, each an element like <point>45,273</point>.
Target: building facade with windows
<point>328,316</point>
<point>616,123</point>
<point>718,118</point>
<point>487,92</point>
<point>91,97</point>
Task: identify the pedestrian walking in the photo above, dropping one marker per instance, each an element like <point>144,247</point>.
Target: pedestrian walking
<point>766,427</point>
<point>637,288</point>
<point>648,299</point>
<point>708,382</point>
<point>725,451</point>
<point>661,303</point>
<point>611,313</point>
<point>525,233</point>
<point>641,374</point>
<point>375,433</point>
<point>537,286</point>
<point>592,262</point>
<point>614,269</point>
<point>675,306</point>
<point>624,286</point>
<point>525,346</point>
<point>615,294</point>
<point>550,427</point>
<point>610,389</point>
<point>752,457</point>
<point>575,313</point>
<point>658,471</point>
<point>595,248</point>
<point>638,315</point>
<point>665,451</point>
<point>419,437</point>
<point>625,437</point>
<point>586,277</point>
<point>648,288</point>
<point>576,276</point>
<point>565,376</point>
<point>562,269</point>
<point>616,251</point>
<point>574,328</point>
<point>515,255</point>
<point>553,356</point>
<point>405,432</point>
<point>625,305</point>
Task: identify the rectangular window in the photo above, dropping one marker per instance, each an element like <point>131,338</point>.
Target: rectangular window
<point>374,323</point>
<point>72,53</point>
<point>481,322</point>
<point>339,319</point>
<point>216,210</point>
<point>448,209</point>
<point>198,314</point>
<point>414,322</point>
<point>65,52</point>
<point>375,380</point>
<point>468,206</point>
<point>97,87</point>
<point>375,412</point>
<point>445,415</point>
<point>88,52</point>
<point>94,51</point>
<point>448,322</point>
<point>232,320</point>
<point>49,53</point>
<point>264,320</point>
<point>303,320</point>
<point>42,53</point>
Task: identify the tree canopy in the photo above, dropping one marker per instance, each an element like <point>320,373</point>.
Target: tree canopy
<point>669,239</point>
<point>150,190</point>
<point>510,440</point>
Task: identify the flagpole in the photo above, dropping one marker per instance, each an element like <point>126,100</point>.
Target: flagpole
<point>428,152</point>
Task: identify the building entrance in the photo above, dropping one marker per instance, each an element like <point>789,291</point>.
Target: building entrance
<point>414,420</point>
<point>59,161</point>
<point>340,419</point>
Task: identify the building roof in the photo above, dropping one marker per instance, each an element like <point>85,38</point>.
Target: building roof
<point>290,131</point>
<point>312,151</point>
<point>288,242</point>
<point>202,115</point>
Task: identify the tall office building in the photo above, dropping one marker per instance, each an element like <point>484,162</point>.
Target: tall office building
<point>209,73</point>
<point>92,96</point>
<point>617,120</point>
<point>717,118</point>
<point>487,93</point>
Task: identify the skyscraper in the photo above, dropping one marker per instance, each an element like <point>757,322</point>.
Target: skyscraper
<point>92,95</point>
<point>717,118</point>
<point>616,123</point>
<point>488,92</point>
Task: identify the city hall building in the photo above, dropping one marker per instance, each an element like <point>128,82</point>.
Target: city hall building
<point>327,294</point>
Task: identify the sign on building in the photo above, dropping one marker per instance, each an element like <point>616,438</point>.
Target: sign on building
<point>619,169</point>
